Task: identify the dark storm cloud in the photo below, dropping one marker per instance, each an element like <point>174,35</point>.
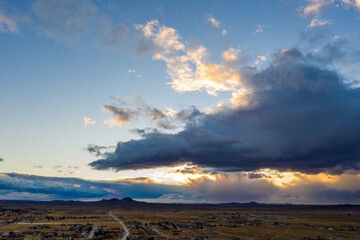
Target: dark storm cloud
<point>339,52</point>
<point>245,187</point>
<point>75,188</point>
<point>301,116</point>
<point>96,150</point>
<point>314,36</point>
<point>122,114</point>
<point>126,112</point>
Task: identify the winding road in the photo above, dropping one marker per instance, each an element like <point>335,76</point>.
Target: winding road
<point>91,236</point>
<point>127,232</point>
<point>160,233</point>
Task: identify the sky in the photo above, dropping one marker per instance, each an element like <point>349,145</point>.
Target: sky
<point>180,101</point>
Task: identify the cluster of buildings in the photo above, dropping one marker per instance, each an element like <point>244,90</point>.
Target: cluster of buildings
<point>47,232</point>
<point>13,216</point>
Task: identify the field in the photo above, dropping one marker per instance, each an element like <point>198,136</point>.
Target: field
<point>122,219</point>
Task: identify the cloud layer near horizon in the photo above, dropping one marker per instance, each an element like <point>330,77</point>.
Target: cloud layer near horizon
<point>13,185</point>
<point>222,187</point>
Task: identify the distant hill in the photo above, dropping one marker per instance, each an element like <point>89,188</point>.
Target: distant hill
<point>129,203</point>
<point>243,204</point>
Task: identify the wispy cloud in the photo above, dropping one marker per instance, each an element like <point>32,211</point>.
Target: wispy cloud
<point>353,3</point>
<point>318,22</point>
<point>259,29</point>
<point>213,21</point>
<point>7,25</point>
<point>131,71</point>
<point>72,21</point>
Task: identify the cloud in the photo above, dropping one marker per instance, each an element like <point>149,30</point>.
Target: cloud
<point>261,59</point>
<point>49,188</point>
<point>132,71</point>
<point>1,159</point>
<point>353,3</point>
<point>71,21</point>
<point>182,198</point>
<point>232,187</point>
<point>308,189</point>
<point>74,167</point>
<point>259,29</point>
<point>121,117</point>
<point>213,21</point>
<point>336,53</point>
<point>38,166</point>
<point>297,114</point>
<point>188,68</point>
<point>224,32</point>
<point>46,185</point>
<point>314,7</point>
<point>95,150</point>
<point>223,187</point>
<point>318,22</point>
<point>168,118</point>
<point>88,122</point>
<point>7,25</point>
<point>137,180</point>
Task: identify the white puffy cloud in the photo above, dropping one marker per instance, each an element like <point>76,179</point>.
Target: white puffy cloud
<point>189,68</point>
<point>88,121</point>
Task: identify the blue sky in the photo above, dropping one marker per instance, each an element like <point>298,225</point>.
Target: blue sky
<point>75,73</point>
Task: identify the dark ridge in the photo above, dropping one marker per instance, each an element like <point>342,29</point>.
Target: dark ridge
<point>116,200</point>
<point>242,204</point>
<point>128,199</point>
<point>110,200</point>
<point>129,203</point>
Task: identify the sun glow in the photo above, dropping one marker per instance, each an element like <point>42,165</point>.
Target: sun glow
<point>280,179</point>
<point>180,174</point>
